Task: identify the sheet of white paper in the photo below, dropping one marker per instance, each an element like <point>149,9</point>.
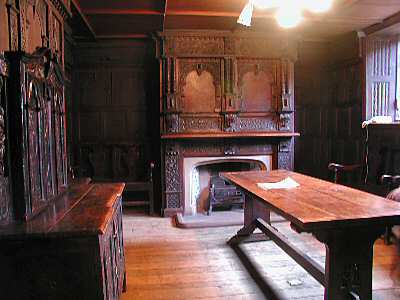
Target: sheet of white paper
<point>287,183</point>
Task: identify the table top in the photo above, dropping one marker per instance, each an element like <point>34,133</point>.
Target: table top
<point>317,204</point>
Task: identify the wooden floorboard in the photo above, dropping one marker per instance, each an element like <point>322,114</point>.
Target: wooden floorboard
<point>165,262</point>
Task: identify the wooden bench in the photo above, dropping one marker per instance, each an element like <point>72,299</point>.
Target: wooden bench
<point>346,220</point>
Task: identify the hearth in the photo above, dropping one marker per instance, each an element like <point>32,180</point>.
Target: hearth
<point>200,171</point>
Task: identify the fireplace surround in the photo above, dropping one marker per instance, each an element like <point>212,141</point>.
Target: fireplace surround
<point>223,96</point>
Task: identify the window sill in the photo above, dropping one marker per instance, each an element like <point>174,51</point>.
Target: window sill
<point>393,125</point>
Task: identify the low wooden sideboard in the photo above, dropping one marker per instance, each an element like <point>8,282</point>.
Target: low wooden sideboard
<point>71,250</point>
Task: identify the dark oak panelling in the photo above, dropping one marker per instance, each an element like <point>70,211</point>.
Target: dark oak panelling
<point>329,105</point>
<point>111,109</point>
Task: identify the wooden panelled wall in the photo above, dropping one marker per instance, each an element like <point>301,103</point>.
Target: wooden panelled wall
<point>328,86</point>
<point>112,123</point>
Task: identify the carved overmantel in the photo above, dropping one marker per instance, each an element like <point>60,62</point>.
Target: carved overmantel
<point>223,93</point>
<point>224,81</point>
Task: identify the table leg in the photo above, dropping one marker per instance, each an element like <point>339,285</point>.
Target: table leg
<point>348,264</point>
<point>253,209</point>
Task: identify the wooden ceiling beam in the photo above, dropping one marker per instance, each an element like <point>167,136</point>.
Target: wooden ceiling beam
<point>82,16</point>
<point>388,22</point>
<point>143,12</point>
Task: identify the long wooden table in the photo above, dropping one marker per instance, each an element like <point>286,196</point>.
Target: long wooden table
<point>346,220</point>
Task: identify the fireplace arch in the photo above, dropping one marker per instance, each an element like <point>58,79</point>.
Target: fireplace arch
<point>196,180</point>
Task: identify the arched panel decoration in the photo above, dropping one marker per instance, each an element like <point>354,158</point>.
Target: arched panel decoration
<point>37,145</point>
<point>256,91</point>
<point>198,92</point>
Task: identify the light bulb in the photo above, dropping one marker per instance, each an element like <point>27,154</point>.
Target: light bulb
<point>288,16</point>
<point>318,6</point>
<point>246,14</point>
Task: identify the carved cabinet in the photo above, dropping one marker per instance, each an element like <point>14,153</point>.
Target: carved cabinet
<point>72,250</point>
<point>37,149</point>
<point>5,203</point>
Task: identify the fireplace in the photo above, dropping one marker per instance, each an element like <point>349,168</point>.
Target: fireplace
<point>224,96</point>
<point>184,158</point>
<point>198,171</point>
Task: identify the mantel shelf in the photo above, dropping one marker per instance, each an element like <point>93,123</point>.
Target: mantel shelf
<point>214,135</point>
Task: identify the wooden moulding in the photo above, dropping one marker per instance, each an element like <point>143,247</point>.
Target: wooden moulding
<point>229,135</point>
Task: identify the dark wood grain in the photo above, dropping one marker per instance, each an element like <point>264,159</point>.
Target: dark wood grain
<point>316,203</point>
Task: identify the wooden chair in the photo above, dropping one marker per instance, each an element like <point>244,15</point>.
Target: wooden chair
<point>339,168</point>
<point>142,186</point>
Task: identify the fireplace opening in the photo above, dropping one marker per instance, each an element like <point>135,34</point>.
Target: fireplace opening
<point>208,192</point>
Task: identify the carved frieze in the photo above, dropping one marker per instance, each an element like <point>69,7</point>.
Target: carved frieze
<point>200,148</point>
<point>256,124</point>
<point>199,124</point>
<point>193,45</point>
<point>271,47</point>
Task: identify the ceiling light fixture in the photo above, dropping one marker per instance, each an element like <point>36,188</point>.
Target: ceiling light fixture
<point>289,12</point>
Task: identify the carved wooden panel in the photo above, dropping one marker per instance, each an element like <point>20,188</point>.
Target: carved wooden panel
<point>33,105</point>
<point>37,150</point>
<point>258,85</point>
<point>5,200</point>
<point>36,24</point>
<point>199,84</point>
<point>221,88</point>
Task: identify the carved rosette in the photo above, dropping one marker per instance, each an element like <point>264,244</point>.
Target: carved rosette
<point>285,122</point>
<point>286,145</point>
<point>172,123</point>
<point>231,122</point>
